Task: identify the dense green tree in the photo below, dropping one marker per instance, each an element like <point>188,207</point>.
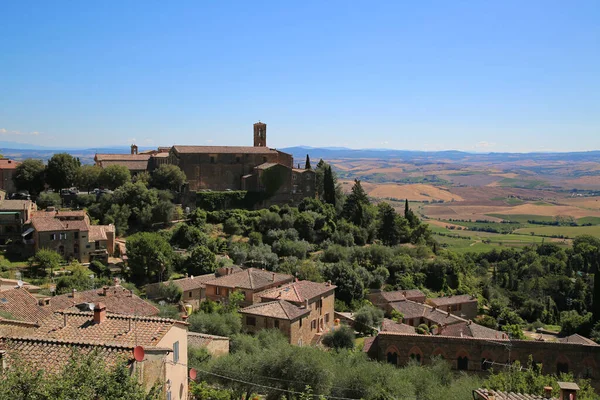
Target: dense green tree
<point>168,177</point>
<point>62,171</point>
<point>221,324</point>
<point>367,318</point>
<point>88,177</point>
<point>48,199</point>
<point>44,261</point>
<point>30,176</point>
<point>201,261</point>
<point>114,176</point>
<point>307,163</point>
<point>170,292</point>
<point>349,284</point>
<point>410,216</point>
<point>354,207</point>
<point>149,257</point>
<point>118,215</point>
<point>80,278</point>
<point>341,338</point>
<point>85,377</point>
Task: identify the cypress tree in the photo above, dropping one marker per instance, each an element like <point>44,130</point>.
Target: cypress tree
<point>307,165</point>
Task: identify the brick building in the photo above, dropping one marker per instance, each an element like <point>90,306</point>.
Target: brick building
<point>480,354</point>
<point>71,234</point>
<point>302,310</point>
<point>256,168</point>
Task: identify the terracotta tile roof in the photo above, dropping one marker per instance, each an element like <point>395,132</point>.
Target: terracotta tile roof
<point>8,164</point>
<point>398,295</point>
<point>487,394</point>
<point>117,300</point>
<point>266,165</point>
<point>122,157</point>
<point>391,326</point>
<point>469,329</point>
<point>53,221</point>
<point>411,309</point>
<point>52,355</point>
<point>22,306</point>
<point>190,283</point>
<point>447,300</point>
<point>16,205</point>
<point>368,343</point>
<point>223,149</point>
<point>251,278</point>
<point>98,232</point>
<point>6,284</point>
<point>298,292</point>
<point>130,165</point>
<point>117,329</point>
<point>578,339</point>
<point>276,309</point>
<point>10,327</point>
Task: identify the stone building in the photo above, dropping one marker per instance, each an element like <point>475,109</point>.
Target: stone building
<point>7,171</point>
<point>250,282</point>
<point>71,234</point>
<point>464,306</point>
<point>256,168</point>
<point>302,310</point>
<point>14,214</point>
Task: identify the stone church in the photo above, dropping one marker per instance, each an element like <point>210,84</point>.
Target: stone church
<point>256,168</point>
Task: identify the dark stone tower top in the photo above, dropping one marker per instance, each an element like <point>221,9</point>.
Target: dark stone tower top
<point>260,134</point>
<point>134,149</point>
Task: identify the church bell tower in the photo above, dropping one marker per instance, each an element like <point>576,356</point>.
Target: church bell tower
<point>260,134</point>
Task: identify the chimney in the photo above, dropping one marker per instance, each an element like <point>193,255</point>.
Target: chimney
<point>116,281</point>
<point>273,276</point>
<point>130,326</point>
<point>99,313</point>
<point>547,392</point>
<point>191,276</point>
<point>184,317</point>
<point>73,293</point>
<point>306,303</point>
<point>130,293</point>
<point>186,275</point>
<point>568,390</point>
<point>104,290</point>
<point>64,320</point>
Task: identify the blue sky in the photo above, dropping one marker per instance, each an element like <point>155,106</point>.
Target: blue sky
<point>427,75</point>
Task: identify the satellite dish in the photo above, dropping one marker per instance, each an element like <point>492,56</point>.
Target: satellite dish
<point>139,353</point>
<point>20,283</point>
<point>193,374</point>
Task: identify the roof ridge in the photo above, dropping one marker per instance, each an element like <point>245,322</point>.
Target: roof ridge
<point>64,341</point>
<point>110,315</point>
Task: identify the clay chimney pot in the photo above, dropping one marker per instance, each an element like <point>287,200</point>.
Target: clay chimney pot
<point>99,313</point>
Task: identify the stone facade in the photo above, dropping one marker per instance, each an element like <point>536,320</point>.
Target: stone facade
<point>476,355</point>
<point>13,216</point>
<point>7,171</point>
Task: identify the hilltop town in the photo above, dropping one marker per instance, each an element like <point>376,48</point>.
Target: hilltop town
<point>194,266</point>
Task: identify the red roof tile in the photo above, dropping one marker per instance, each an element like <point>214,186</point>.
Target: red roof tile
<point>251,278</point>
<point>446,300</point>
<point>115,330</point>
<point>8,164</point>
<point>276,309</point>
<point>298,292</point>
<point>117,300</point>
<point>223,149</point>
<point>22,306</point>
<point>391,326</point>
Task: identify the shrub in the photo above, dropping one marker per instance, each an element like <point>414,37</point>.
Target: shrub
<point>367,318</point>
<point>341,338</point>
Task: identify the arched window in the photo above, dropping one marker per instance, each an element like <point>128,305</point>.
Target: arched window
<point>562,368</point>
<point>486,364</point>
<point>392,358</point>
<point>462,363</point>
<point>416,357</point>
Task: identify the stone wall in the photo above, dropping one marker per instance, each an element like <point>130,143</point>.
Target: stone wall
<point>215,345</point>
<point>476,355</point>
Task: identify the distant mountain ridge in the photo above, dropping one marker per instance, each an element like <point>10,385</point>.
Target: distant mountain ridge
<point>19,151</point>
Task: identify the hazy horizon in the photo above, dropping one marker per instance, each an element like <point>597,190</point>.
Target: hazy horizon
<point>476,77</point>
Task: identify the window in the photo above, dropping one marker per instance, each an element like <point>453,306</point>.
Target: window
<point>218,290</point>
<point>562,368</point>
<point>294,177</point>
<point>313,324</point>
<point>264,159</point>
<point>462,363</point>
<point>308,188</point>
<point>392,358</point>
<point>176,352</point>
<point>190,294</point>
<point>76,248</point>
<point>76,235</point>
<point>62,236</point>
<point>212,159</point>
<point>300,322</point>
<point>88,246</point>
<point>250,321</point>
<point>53,236</point>
<point>237,159</point>
<point>588,372</point>
<point>485,364</point>
<point>276,324</point>
<point>416,357</point>
<point>327,318</point>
